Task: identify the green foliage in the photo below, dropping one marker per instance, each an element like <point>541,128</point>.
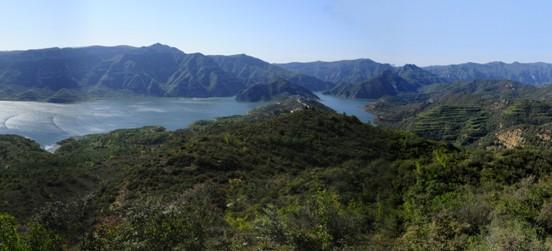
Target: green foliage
<point>150,225</point>
<point>308,180</point>
<point>32,237</point>
<point>319,223</point>
<point>40,238</point>
<point>9,238</point>
<point>473,113</point>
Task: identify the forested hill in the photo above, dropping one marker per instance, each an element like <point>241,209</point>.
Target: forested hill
<point>280,88</point>
<point>302,179</point>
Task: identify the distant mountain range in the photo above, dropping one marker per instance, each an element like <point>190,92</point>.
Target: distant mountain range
<point>339,72</point>
<point>526,73</point>
<point>360,70</point>
<point>72,74</point>
<point>364,78</point>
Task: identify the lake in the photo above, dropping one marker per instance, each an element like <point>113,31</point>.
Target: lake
<point>49,123</point>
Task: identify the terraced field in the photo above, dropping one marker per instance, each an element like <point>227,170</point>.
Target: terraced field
<point>527,112</point>
<point>473,113</point>
<point>463,124</point>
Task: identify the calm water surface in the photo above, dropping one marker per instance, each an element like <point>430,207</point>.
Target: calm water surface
<point>49,123</point>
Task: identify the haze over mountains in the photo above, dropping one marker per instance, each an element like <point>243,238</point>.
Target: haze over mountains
<point>72,74</point>
<point>527,73</point>
<point>65,75</point>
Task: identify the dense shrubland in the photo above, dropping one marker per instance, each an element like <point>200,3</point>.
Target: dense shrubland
<point>307,180</point>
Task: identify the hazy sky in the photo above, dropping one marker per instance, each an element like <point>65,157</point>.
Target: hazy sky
<point>423,32</point>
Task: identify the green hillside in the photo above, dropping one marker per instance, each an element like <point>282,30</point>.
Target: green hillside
<point>304,180</point>
<point>494,113</point>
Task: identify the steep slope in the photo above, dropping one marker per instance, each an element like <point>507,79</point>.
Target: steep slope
<point>416,75</point>
<point>273,90</point>
<point>249,69</point>
<point>346,71</point>
<point>388,83</point>
<point>199,76</point>
<point>142,71</point>
<point>156,70</point>
<point>255,71</point>
<point>527,73</point>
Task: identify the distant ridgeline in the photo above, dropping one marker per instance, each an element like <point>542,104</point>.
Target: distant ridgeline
<point>73,74</point>
<point>361,70</point>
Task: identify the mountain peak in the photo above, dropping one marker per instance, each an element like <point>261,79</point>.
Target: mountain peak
<point>159,47</point>
<point>411,66</point>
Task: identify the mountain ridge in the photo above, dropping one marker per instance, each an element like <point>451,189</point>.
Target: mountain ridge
<point>72,74</point>
<point>536,73</point>
<point>76,73</point>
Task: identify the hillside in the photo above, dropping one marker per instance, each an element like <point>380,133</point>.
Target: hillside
<point>274,90</point>
<point>485,113</point>
<point>340,72</point>
<point>255,71</point>
<point>305,180</point>
<point>406,79</point>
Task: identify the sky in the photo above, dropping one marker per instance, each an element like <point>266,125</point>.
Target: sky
<point>423,32</point>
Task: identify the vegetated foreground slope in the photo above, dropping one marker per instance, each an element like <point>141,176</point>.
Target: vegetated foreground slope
<point>309,179</point>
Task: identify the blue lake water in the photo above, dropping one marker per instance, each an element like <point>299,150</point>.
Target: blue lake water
<point>49,123</point>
